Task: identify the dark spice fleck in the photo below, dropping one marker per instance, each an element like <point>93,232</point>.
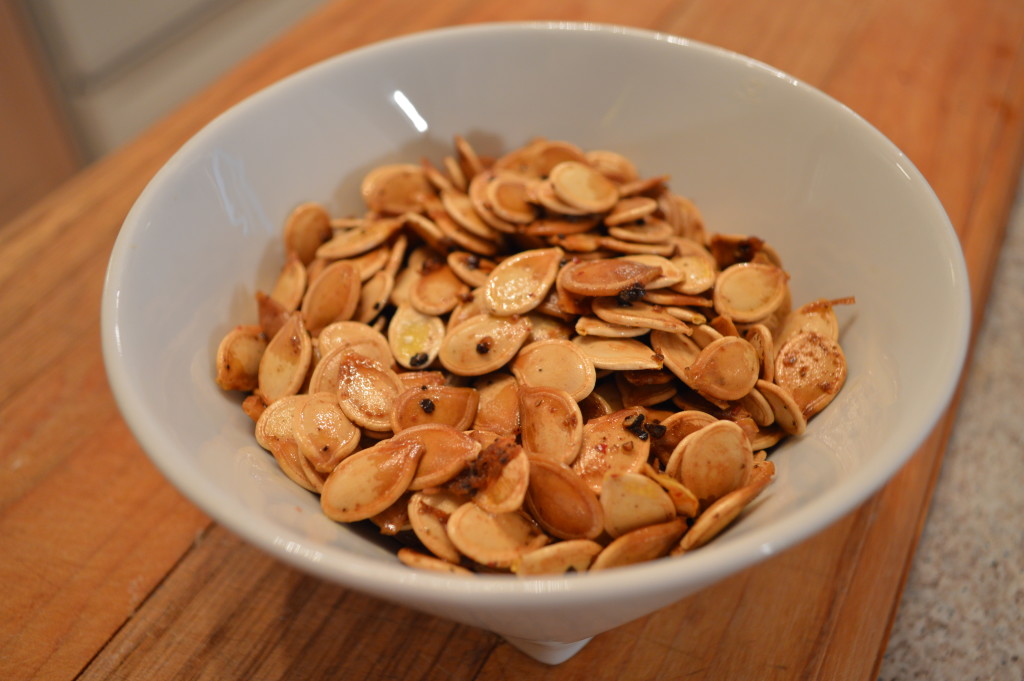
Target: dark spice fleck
<point>419,359</point>
<point>630,294</point>
<point>427,406</point>
<point>635,425</point>
<point>484,346</point>
<point>473,262</point>
<point>655,430</point>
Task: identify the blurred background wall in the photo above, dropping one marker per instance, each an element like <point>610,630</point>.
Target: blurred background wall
<point>79,78</point>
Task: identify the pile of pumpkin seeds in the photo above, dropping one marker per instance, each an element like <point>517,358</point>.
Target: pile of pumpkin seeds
<point>534,364</point>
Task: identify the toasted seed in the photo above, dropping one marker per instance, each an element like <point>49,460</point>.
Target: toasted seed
<point>460,208</point>
<point>238,358</point>
<point>612,165</point>
<point>606,277</point>
<point>726,369</point>
<point>444,404</point>
<point>373,296</point>
<point>651,231</point>
<point>437,291</point>
<point>414,338</point>
<point>291,283</point>
<point>573,555</point>
<point>359,240</point>
<point>469,161</point>
<point>609,446</point>
<point>633,500</point>
<point>593,326</point>
<point>521,282</point>
<point>704,335</point>
<point>508,194</point>
<point>554,225</point>
<point>561,502</point>
<point>760,410</point>
<point>456,237</point>
<point>482,344</point>
<point>371,262</point>
<point>583,187</point>
<point>720,515</point>
<point>427,230</point>
<point>323,433</point>
<point>748,292</point>
<point>817,316</point>
<point>714,460</point>
<point>367,391</point>
<point>446,451</point>
<point>698,268</point>
<point>638,313</point>
<point>646,185</point>
<point>357,336</point>
<point>332,297</point>
<point>556,364</point>
<point>308,226</point>
<point>369,481</point>
<point>478,197</point>
<point>395,518</point>
<point>498,409</point>
<point>767,437</point>
<point>422,561</point>
<point>545,327</point>
<point>551,423</point>
<point>813,368</point>
<point>645,395</point>
<point>636,248</point>
<point>670,274</point>
<point>618,354</point>
<point>537,158</point>
<point>428,515</point>
<point>418,379</point>
<point>504,492</point>
<point>285,361</point>
<point>395,189</point>
<point>275,433</point>
<point>670,298</point>
<point>683,500</point>
<point>470,268</point>
<point>630,210</point>
<point>683,215</point>
<point>760,337</point>
<point>494,540</point>
<point>643,544</point>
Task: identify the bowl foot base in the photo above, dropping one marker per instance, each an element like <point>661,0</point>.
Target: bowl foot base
<point>548,652</point>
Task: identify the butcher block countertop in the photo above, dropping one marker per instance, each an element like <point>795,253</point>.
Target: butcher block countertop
<point>109,573</point>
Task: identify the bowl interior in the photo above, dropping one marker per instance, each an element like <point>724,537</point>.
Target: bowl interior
<point>757,151</point>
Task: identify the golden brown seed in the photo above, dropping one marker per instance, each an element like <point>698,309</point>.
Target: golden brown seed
<point>561,503</point>
<point>308,227</point>
<point>630,210</point>
<point>482,344</point>
<point>445,404</point>
<point>395,189</point>
<point>291,283</point>
<point>813,369</point>
<point>607,277</point>
<point>633,500</point>
<point>332,297</point>
<point>551,423</point>
<point>640,314</point>
<point>583,187</point>
<point>238,358</point>
<point>422,561</point>
<point>505,492</point>
<point>498,410</point>
<point>646,543</point>
<point>720,515</point>
<point>521,282</point>
<point>414,338</point>
<point>367,391</point>
<point>618,354</point>
<point>495,540</point>
<point>555,364</point>
<point>359,240</point>
<point>446,451</point>
<point>714,460</point>
<point>572,555</point>
<point>285,361</point>
<point>428,515</point>
<point>373,297</point>
<point>726,369</point>
<point>322,432</point>
<point>615,443</point>
<point>470,268</point>
<point>748,292</point>
<point>368,482</point>
<point>437,291</point>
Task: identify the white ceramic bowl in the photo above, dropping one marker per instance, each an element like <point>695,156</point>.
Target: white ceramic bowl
<point>758,151</point>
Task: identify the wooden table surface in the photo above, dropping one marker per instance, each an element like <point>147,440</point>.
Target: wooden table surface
<point>108,572</point>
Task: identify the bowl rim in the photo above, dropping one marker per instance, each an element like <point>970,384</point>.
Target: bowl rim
<point>397,581</point>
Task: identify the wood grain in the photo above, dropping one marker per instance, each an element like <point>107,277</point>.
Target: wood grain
<point>114,575</point>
